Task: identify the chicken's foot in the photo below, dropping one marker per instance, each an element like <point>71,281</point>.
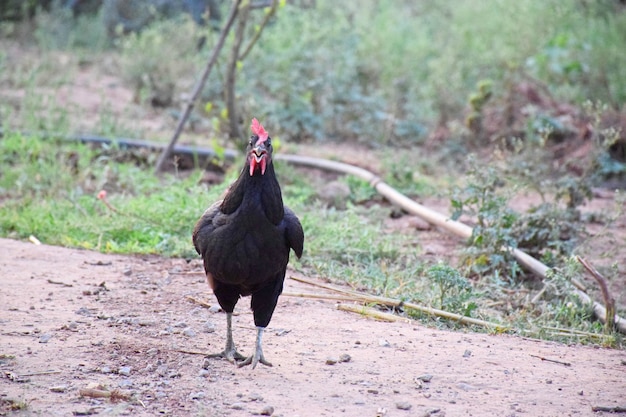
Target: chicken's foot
<point>258,352</point>
<point>229,353</point>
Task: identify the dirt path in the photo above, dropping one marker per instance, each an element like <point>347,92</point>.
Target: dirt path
<point>120,322</point>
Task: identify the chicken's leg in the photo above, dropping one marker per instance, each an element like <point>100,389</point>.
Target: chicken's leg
<point>229,353</point>
<point>258,352</point>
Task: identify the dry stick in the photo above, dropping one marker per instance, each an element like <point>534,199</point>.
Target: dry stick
<point>199,302</point>
<point>616,409</point>
<point>609,301</point>
<point>370,312</point>
<point>191,352</point>
<point>114,395</point>
<point>552,360</point>
<point>40,373</point>
<point>320,296</point>
<point>198,88</point>
<point>437,219</point>
<point>390,302</point>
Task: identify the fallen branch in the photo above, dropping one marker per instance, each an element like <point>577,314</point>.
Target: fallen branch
<point>551,360</point>
<point>371,312</point>
<point>390,302</point>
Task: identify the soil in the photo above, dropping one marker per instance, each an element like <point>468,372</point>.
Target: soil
<point>73,320</point>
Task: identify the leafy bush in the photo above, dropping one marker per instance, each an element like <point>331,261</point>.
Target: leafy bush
<point>452,289</point>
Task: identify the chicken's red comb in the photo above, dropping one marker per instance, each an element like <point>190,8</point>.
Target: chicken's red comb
<point>259,130</point>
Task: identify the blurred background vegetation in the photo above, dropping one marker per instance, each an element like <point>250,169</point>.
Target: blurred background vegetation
<point>533,89</point>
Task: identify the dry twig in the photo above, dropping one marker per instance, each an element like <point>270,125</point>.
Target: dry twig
<point>551,360</point>
<point>199,302</point>
<point>616,409</point>
<point>609,301</point>
<point>191,352</point>
<point>390,302</point>
<point>372,312</point>
<point>115,395</point>
<point>59,283</point>
<point>320,296</point>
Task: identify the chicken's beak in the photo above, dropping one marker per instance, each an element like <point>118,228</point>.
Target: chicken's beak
<point>258,158</point>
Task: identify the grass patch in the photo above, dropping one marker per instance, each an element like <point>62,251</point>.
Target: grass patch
<point>50,190</point>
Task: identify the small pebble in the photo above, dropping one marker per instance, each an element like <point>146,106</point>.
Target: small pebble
<point>238,406</point>
<point>424,377</point>
<point>83,311</point>
<point>255,397</point>
<point>197,395</point>
<point>125,383</point>
<point>268,410</point>
<point>331,361</point>
<point>214,309</point>
<point>465,387</point>
<point>204,373</point>
<point>383,343</point>
<point>152,351</point>
<point>128,272</point>
<point>181,324</point>
<point>189,332</point>
<point>581,392</point>
<point>403,405</point>
<point>105,370</point>
<point>59,388</point>
<point>467,353</point>
<point>45,338</point>
<point>124,370</point>
<point>345,358</point>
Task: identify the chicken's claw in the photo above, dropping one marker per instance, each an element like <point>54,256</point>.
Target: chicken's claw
<point>231,355</point>
<point>258,352</point>
<point>254,360</point>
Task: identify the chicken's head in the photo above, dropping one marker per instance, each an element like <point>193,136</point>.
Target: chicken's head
<point>259,148</point>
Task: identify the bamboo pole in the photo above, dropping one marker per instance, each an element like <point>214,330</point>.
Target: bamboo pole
<point>457,228</point>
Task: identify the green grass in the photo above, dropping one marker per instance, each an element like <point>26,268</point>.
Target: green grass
<point>49,190</point>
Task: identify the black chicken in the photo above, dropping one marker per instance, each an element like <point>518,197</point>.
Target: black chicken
<point>244,241</point>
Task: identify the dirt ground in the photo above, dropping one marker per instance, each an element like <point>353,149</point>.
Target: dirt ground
<point>73,320</point>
